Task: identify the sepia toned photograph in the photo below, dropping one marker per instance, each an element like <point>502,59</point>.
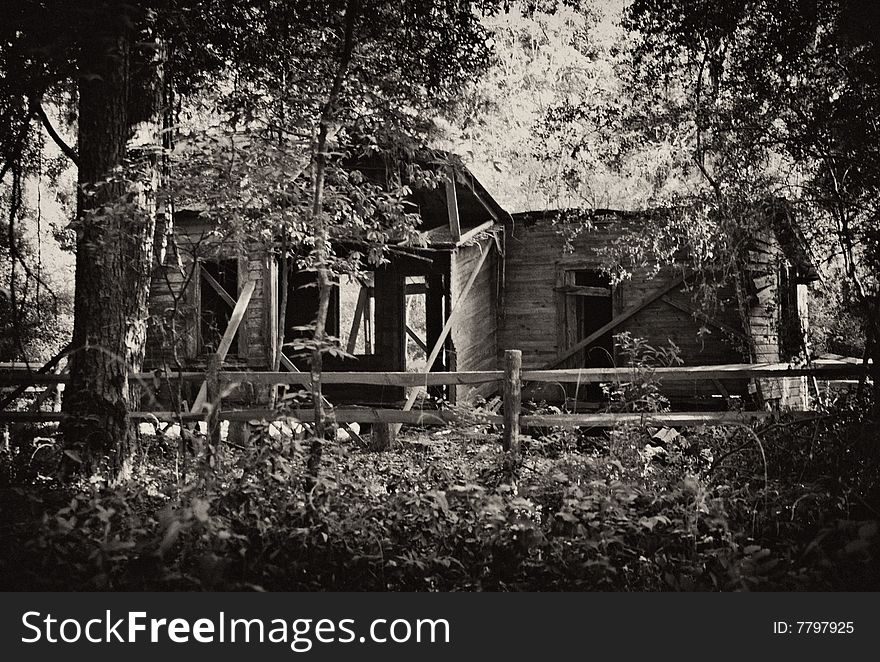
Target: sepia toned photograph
<point>439,296</point>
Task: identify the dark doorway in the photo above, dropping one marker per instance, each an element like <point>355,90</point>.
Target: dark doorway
<point>593,310</point>
<point>585,297</point>
<point>301,313</point>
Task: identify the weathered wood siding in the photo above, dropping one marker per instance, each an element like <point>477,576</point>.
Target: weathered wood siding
<point>177,278</point>
<point>533,313</point>
<point>475,331</point>
<point>766,262</point>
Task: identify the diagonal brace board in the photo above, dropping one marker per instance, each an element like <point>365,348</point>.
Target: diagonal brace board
<point>284,360</point>
<point>617,321</point>
<point>228,336</point>
<point>415,337</point>
<point>360,307</point>
<point>218,288</point>
<point>452,206</point>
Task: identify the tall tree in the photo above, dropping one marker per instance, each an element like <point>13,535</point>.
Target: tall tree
<point>105,55</point>
<point>774,98</point>
<point>343,76</point>
<point>119,152</point>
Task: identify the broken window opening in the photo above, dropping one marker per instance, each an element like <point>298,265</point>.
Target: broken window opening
<point>415,323</point>
<point>214,310</point>
<point>792,314</point>
<point>357,314</point>
<point>587,307</point>
<point>593,310</point>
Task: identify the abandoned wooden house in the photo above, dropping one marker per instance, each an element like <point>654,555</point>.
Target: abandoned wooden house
<point>561,309</point>
<point>389,321</point>
<point>486,281</point>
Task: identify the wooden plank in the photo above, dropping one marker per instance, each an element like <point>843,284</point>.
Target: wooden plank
<point>363,298</point>
<point>691,310</point>
<point>474,232</point>
<point>452,207</point>
<point>418,341</point>
<point>821,369</point>
<point>617,321</point>
<point>583,291</point>
<point>664,419</point>
<point>228,336</point>
<point>341,415</point>
<point>763,282</point>
<point>826,370</point>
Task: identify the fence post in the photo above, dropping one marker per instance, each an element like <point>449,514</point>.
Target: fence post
<point>512,393</point>
<point>213,393</point>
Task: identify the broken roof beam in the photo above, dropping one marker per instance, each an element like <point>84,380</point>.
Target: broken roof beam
<point>452,206</point>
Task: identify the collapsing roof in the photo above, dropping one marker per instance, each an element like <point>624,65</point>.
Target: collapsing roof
<point>791,239</point>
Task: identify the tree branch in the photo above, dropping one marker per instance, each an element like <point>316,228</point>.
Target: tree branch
<point>17,145</point>
<point>44,119</point>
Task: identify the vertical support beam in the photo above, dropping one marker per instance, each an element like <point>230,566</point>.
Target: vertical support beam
<point>434,300</point>
<point>382,437</point>
<point>270,320</point>
<point>243,276</point>
<point>512,393</point>
<point>452,205</point>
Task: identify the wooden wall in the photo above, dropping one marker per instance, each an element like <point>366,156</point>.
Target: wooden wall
<point>766,264</point>
<point>475,331</point>
<point>531,318</point>
<point>176,278</point>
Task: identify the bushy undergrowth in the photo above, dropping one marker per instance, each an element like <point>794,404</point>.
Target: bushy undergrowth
<point>792,506</point>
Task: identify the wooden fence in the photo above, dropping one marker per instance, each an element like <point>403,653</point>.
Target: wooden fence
<point>511,378</point>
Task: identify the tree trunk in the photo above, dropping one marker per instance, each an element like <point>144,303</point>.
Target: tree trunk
<point>322,255</point>
<point>322,241</point>
<point>119,103</point>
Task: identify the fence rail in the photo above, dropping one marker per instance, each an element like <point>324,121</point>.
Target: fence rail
<point>512,379</point>
<point>822,369</point>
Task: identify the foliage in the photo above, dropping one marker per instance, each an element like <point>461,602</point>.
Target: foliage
<point>770,99</point>
<point>641,391</point>
<point>34,319</point>
<point>787,506</point>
